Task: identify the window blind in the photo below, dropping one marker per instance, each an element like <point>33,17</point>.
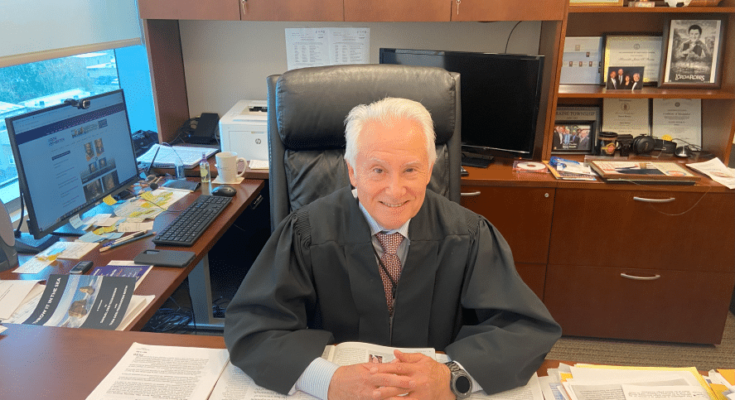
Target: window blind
<point>35,30</point>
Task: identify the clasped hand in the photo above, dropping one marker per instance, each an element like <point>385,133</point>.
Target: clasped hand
<point>410,375</point>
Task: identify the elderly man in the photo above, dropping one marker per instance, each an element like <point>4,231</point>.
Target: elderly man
<point>393,264</point>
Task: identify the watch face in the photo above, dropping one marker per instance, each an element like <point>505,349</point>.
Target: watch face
<point>462,384</point>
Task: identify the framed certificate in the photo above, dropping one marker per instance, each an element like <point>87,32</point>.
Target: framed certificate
<point>679,118</point>
<point>625,116</point>
<point>633,51</point>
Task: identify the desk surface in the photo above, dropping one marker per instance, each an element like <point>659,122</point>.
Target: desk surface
<point>161,281</point>
<point>38,362</point>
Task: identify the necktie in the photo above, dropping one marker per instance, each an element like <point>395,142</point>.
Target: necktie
<point>392,264</point>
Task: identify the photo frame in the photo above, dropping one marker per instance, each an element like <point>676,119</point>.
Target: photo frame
<point>585,3</point>
<point>625,78</point>
<point>633,50</point>
<point>574,137</point>
<point>693,53</point>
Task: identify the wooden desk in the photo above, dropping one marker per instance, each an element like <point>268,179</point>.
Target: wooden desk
<point>39,362</point>
<point>162,281</point>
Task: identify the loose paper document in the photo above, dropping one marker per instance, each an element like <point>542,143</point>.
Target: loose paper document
<point>162,373</point>
<point>167,155</point>
<point>12,294</point>
<point>316,47</point>
<point>717,171</point>
<point>634,392</point>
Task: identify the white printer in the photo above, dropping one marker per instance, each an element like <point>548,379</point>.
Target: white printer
<point>243,130</point>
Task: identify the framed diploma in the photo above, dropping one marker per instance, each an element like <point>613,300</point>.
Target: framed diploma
<point>634,51</point>
<point>625,116</point>
<point>679,118</point>
<point>693,55</point>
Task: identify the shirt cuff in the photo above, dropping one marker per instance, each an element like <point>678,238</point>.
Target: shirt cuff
<point>316,378</point>
<point>475,386</point>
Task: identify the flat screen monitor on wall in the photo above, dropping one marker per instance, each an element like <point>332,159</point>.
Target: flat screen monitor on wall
<point>500,96</point>
<point>70,157</point>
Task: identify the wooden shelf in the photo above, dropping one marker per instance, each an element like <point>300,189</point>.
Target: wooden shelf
<point>595,91</point>
<point>652,10</point>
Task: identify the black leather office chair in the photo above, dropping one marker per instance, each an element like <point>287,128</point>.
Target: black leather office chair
<point>306,112</point>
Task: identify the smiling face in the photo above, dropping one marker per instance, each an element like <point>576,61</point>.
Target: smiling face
<point>694,34</point>
<point>391,171</point>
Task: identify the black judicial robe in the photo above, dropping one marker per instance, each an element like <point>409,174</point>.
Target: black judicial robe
<point>316,282</point>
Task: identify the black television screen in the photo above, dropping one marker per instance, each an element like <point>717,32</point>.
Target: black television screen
<point>500,96</point>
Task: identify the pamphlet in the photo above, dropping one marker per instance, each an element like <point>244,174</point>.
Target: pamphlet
<point>123,269</point>
<point>717,171</point>
<point>571,170</point>
<point>83,301</point>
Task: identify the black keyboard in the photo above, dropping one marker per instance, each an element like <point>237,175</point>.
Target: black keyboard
<point>193,221</point>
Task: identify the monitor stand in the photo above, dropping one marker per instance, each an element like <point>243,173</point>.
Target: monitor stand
<point>475,157</point>
<point>26,243</point>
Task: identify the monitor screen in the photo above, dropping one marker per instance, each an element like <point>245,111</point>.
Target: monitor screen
<point>69,158</point>
<point>500,96</point>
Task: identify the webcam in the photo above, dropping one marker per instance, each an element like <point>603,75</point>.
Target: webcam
<point>80,104</point>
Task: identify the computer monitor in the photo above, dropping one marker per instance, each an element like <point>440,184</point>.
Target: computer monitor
<point>500,96</point>
<point>69,157</point>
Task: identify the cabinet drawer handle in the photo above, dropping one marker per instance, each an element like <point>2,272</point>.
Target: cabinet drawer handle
<point>645,200</point>
<point>471,194</point>
<point>640,278</point>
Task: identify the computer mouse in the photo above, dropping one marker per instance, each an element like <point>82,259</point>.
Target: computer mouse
<point>227,191</point>
<point>683,152</point>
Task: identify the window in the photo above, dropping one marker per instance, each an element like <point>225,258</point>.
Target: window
<point>32,86</point>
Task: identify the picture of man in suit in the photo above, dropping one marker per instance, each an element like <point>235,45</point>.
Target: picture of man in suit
<point>637,83</point>
<point>612,83</point>
<point>558,137</point>
<point>584,139</point>
<point>621,74</point>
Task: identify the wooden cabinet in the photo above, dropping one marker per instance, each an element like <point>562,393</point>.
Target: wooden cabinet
<point>642,264</point>
<point>397,11</point>
<point>291,10</point>
<point>502,10</point>
<point>189,9</point>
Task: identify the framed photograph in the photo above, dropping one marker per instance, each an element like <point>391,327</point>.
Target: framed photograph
<point>638,50</point>
<point>573,137</point>
<point>625,78</point>
<point>574,3</point>
<point>693,53</point>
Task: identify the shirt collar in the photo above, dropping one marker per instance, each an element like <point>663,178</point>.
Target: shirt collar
<point>375,227</point>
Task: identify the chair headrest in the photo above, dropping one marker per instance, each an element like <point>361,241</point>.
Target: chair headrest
<point>312,103</point>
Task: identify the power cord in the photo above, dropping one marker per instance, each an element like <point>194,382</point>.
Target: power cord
<point>509,35</point>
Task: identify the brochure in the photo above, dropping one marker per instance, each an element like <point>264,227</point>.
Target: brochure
<point>570,170</point>
<point>83,301</point>
<point>123,269</point>
<point>717,171</point>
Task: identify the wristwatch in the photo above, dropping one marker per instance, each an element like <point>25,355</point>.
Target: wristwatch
<point>460,383</point>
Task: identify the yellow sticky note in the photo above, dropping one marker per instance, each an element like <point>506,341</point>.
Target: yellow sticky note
<point>109,200</point>
<point>99,231</point>
<point>147,195</point>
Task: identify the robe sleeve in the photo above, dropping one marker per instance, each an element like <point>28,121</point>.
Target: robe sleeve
<point>511,329</point>
<point>266,329</point>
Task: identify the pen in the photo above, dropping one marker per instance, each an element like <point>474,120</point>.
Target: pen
<point>124,239</point>
<point>132,239</point>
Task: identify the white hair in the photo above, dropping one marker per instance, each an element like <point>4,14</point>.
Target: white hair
<point>387,111</point>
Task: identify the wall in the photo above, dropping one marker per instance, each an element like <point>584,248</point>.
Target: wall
<point>227,61</point>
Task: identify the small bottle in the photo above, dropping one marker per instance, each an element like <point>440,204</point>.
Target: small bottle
<point>204,169</point>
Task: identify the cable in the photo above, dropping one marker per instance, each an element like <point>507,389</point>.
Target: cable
<point>509,35</point>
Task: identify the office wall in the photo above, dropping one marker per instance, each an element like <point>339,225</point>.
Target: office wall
<point>227,61</point>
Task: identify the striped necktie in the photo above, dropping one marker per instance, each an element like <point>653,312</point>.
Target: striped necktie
<point>391,264</point>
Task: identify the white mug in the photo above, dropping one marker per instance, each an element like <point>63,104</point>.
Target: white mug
<point>226,163</point>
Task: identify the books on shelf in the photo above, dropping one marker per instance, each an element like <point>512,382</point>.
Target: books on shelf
<point>645,172</point>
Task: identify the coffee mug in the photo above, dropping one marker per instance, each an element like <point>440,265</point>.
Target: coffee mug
<point>226,163</point>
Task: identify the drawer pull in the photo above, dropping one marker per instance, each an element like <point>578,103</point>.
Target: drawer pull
<point>645,200</point>
<point>640,278</point>
<point>471,194</point>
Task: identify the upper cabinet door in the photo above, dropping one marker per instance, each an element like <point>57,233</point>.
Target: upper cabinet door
<point>397,10</point>
<point>504,10</point>
<point>189,9</point>
<point>291,10</point>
